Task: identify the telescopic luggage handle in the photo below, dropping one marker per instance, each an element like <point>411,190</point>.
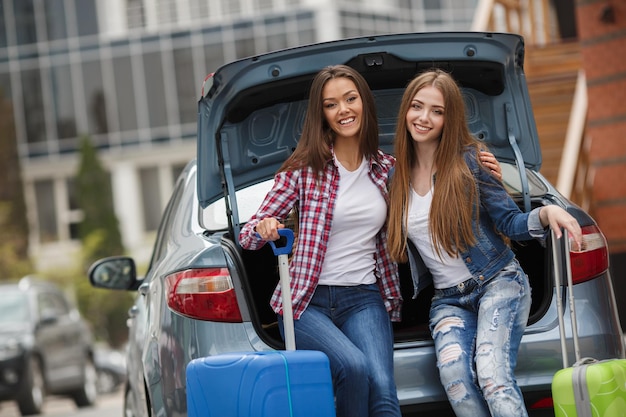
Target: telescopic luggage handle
<point>282,253</point>
<point>283,250</point>
<point>563,278</point>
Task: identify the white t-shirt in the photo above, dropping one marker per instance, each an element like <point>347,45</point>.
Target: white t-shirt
<point>360,212</point>
<point>447,271</point>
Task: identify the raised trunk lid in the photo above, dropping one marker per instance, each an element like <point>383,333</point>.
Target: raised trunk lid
<point>250,117</point>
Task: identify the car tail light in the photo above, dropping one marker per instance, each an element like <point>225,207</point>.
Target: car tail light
<point>593,259</point>
<point>543,404</point>
<point>204,294</point>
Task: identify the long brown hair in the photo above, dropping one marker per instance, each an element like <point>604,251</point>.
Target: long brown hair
<point>313,149</point>
<point>455,197</point>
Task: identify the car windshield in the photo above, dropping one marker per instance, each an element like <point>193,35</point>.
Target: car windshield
<point>13,307</point>
<point>249,198</point>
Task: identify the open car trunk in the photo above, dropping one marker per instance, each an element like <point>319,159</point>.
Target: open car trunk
<point>261,277</point>
<point>251,115</point>
<point>261,272</point>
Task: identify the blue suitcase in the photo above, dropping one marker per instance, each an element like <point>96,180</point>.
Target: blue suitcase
<point>290,383</point>
<point>260,384</point>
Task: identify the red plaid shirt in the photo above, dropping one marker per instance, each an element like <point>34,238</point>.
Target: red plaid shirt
<point>317,204</point>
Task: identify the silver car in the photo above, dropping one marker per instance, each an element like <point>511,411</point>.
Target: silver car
<point>46,347</point>
<point>203,295</point>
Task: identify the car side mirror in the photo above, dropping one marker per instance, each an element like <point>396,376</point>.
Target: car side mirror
<point>118,273</point>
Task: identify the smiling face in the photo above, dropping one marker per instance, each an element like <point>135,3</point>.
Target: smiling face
<point>343,107</point>
<point>425,116</point>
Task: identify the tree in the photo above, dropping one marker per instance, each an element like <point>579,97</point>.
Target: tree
<point>100,237</point>
<point>14,231</point>
<point>95,199</point>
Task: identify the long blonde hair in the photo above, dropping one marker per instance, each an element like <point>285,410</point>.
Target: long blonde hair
<point>455,198</point>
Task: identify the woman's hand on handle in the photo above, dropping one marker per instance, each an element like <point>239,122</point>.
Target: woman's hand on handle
<point>557,218</point>
<point>268,228</point>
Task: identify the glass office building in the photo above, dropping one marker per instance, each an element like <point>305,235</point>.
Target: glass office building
<point>128,74</point>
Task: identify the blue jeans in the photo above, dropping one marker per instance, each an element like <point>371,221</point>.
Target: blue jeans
<point>352,327</point>
<point>477,328</point>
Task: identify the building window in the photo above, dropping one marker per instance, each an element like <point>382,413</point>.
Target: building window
<point>93,89</point>
<point>150,197</point>
<point>185,85</point>
<point>244,40</point>
<point>124,88</point>
<point>87,17</point>
<point>433,12</point>
<point>166,11</point>
<point>213,51</point>
<point>199,9</point>
<point>135,14</point>
<point>75,214</point>
<point>55,19</point>
<point>46,211</point>
<point>264,5</point>
<point>155,89</point>
<point>231,7</point>
<point>5,90</point>
<point>306,29</point>
<point>25,22</point>
<point>33,106</point>
<point>3,27</point>
<point>276,33</point>
<point>63,100</point>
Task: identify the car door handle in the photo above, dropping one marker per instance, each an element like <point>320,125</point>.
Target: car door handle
<point>144,288</point>
<point>133,311</point>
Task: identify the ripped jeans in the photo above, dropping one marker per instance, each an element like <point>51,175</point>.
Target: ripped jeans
<point>477,327</point>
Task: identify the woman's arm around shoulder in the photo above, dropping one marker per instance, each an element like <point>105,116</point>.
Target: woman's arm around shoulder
<point>491,163</point>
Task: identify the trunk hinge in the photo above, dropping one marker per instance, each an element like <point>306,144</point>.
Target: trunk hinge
<point>519,159</point>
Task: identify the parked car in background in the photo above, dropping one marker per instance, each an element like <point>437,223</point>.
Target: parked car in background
<point>204,295</point>
<point>45,347</point>
<point>110,368</point>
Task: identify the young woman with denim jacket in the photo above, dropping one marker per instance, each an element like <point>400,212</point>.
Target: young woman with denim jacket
<point>452,220</point>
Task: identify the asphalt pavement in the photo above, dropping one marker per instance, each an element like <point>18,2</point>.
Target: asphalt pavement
<point>65,407</point>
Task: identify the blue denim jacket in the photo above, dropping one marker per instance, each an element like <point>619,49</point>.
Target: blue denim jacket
<point>497,211</point>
